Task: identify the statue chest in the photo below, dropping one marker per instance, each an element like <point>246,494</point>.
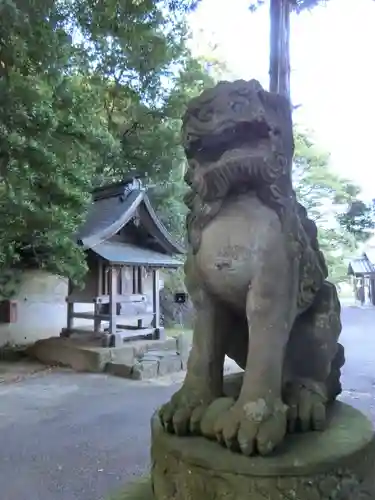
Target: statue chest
<point>234,245</point>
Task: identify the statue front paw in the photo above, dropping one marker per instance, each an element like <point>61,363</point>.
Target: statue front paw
<point>182,415</point>
<point>307,406</point>
<point>253,427</point>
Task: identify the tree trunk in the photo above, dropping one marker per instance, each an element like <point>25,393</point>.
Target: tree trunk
<point>280,47</point>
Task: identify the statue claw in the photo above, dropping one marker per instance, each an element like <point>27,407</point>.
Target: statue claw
<point>253,427</point>
<point>307,407</point>
<point>182,415</point>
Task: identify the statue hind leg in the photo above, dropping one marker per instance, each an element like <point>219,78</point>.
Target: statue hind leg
<point>204,378</point>
<point>313,362</point>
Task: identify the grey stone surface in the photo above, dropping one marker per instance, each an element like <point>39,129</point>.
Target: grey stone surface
<point>119,370</point>
<point>162,333</point>
<point>145,369</point>
<point>154,354</point>
<point>151,364</point>
<point>156,363</point>
<point>170,364</point>
<point>245,227</point>
<point>16,370</point>
<point>68,436</point>
<point>183,345</point>
<point>126,354</point>
<point>139,490</point>
<point>348,432</point>
<point>83,355</point>
<point>68,352</point>
<point>336,463</point>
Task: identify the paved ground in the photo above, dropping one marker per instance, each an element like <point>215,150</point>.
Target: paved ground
<point>66,436</point>
<point>358,337</point>
<point>18,369</point>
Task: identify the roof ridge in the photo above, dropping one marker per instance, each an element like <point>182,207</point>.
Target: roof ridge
<point>117,189</point>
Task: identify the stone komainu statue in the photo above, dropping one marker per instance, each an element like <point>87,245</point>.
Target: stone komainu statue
<point>256,276</point>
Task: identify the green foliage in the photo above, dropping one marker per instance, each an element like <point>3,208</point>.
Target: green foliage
<point>94,91</point>
<point>321,189</point>
<point>168,194</point>
<point>324,194</point>
<point>90,92</point>
<point>10,282</point>
<point>49,139</point>
<point>132,51</point>
<point>359,219</point>
<point>146,75</point>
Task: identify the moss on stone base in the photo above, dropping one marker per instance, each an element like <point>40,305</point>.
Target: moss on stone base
<point>138,490</point>
<point>337,464</point>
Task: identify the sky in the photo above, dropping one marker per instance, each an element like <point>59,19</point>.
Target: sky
<point>332,77</point>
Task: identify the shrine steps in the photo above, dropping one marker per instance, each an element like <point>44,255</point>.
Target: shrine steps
<point>135,359</point>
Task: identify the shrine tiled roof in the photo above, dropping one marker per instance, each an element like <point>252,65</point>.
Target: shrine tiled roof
<point>113,207</point>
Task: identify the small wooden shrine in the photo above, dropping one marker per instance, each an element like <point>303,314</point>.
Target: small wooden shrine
<point>362,270</point>
<point>126,246</point>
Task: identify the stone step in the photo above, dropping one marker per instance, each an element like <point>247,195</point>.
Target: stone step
<point>156,360</point>
<point>83,354</point>
<point>137,360</point>
<point>153,364</point>
<point>158,363</point>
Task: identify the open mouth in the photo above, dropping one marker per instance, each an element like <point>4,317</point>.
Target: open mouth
<point>212,147</point>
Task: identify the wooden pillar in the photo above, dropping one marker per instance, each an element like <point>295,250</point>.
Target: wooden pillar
<point>97,320</point>
<point>99,291</point>
<point>355,288</point>
<point>100,270</point>
<point>156,303</point>
<point>112,299</point>
<point>70,310</point>
<point>139,289</point>
<point>139,279</point>
<point>122,272</point>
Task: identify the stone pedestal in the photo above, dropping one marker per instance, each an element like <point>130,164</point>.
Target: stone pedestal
<point>141,489</point>
<point>337,464</point>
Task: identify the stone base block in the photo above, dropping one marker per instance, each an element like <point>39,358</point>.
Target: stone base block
<point>71,353</point>
<point>337,464</point>
<point>137,359</point>
<point>139,490</point>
